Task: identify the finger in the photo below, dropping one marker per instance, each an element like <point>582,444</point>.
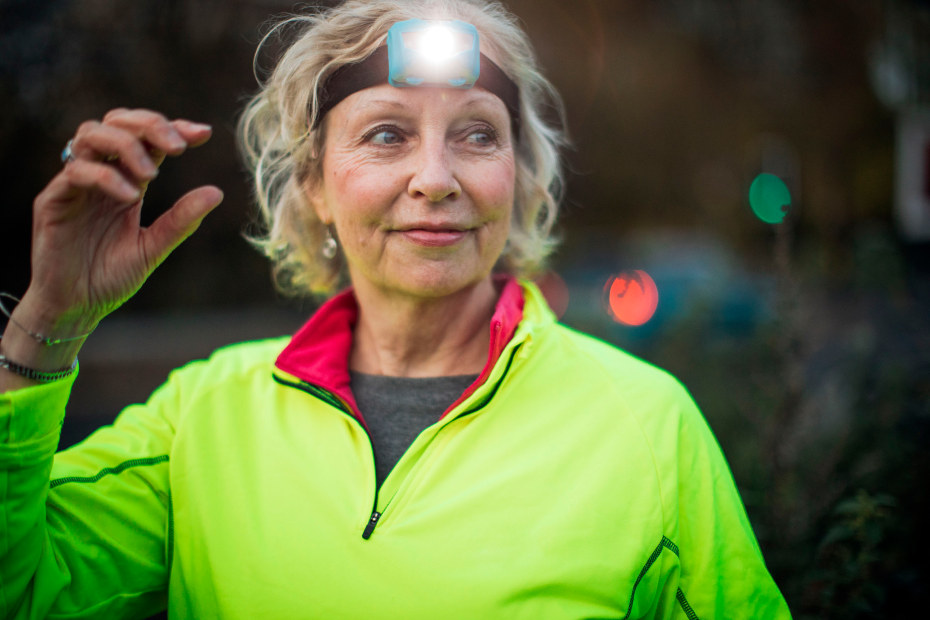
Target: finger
<point>179,222</point>
<point>96,141</point>
<point>83,174</point>
<point>149,126</point>
<point>195,134</point>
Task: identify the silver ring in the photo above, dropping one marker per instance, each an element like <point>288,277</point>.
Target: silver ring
<point>67,155</point>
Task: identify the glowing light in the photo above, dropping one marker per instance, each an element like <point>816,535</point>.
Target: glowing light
<point>436,45</point>
<point>631,297</point>
<point>554,289</point>
<point>769,198</point>
<point>433,52</point>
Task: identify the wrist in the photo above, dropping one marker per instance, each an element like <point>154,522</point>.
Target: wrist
<point>27,363</point>
<point>31,375</point>
<point>51,350</point>
<point>50,323</point>
<point>24,350</point>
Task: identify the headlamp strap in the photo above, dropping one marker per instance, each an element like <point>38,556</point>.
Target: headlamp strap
<point>352,78</point>
<point>373,71</point>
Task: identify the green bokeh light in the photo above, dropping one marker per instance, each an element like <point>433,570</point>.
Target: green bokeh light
<point>769,198</point>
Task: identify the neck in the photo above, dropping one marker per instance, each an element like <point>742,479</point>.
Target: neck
<point>415,337</point>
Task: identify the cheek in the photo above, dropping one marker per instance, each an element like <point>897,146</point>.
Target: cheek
<point>360,189</point>
<point>497,189</point>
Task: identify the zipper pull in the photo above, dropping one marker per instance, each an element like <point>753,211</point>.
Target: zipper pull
<point>371,525</point>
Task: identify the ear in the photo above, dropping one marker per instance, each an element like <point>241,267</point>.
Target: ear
<point>313,190</point>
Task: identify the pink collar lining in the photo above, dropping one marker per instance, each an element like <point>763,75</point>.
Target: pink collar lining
<point>319,352</point>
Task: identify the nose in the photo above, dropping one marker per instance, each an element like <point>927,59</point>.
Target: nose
<point>434,173</point>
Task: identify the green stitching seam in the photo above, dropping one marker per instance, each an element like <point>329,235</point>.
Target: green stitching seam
<point>685,605</point>
<point>106,471</point>
<point>668,544</point>
<point>315,391</point>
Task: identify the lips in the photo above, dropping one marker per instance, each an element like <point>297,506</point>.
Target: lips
<point>434,237</point>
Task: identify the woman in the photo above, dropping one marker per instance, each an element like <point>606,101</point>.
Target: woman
<point>431,443</point>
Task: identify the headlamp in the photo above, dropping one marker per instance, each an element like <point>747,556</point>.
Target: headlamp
<point>424,53</point>
<point>442,53</point>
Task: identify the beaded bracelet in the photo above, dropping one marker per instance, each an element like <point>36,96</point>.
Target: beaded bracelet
<point>36,375</point>
<point>46,340</point>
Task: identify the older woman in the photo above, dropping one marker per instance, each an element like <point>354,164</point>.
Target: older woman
<point>431,443</point>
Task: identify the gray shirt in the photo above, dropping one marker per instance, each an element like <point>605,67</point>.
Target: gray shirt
<point>397,409</point>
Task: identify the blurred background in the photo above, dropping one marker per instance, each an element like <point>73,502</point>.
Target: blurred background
<point>748,206</point>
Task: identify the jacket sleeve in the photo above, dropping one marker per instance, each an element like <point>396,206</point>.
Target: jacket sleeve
<point>710,546</point>
<point>86,532</point>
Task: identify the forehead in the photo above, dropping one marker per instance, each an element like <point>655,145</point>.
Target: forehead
<point>388,98</point>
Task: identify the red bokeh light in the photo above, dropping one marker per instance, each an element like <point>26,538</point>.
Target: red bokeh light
<point>631,297</point>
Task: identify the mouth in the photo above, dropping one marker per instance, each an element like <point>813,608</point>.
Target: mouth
<point>435,234</point>
<point>434,237</point>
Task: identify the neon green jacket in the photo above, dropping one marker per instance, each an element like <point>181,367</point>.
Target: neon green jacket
<point>571,481</point>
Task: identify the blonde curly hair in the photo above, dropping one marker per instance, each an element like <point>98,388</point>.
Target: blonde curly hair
<point>284,152</point>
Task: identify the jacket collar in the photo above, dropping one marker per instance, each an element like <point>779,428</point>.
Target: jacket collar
<point>319,352</point>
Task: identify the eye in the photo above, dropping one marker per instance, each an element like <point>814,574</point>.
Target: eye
<point>484,136</point>
<point>384,136</point>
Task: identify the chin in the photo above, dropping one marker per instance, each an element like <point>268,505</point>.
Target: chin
<point>430,282</point>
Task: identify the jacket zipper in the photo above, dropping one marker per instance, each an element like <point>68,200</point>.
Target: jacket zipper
<point>332,399</point>
<point>372,522</point>
<point>375,515</point>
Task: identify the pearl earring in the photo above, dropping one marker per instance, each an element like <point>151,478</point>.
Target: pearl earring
<point>329,245</point>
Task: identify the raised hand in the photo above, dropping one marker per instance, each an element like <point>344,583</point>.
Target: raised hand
<point>89,252</point>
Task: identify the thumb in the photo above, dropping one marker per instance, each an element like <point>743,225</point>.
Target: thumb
<point>180,221</point>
